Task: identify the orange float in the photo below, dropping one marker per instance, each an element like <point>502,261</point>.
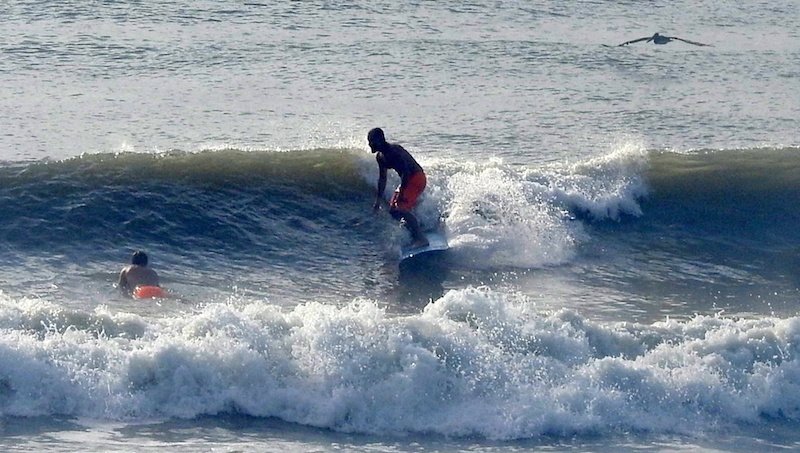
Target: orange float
<point>149,292</point>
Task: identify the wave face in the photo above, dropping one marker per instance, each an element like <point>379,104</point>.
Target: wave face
<point>235,200</point>
<point>194,199</point>
<point>210,218</point>
<point>298,221</point>
<point>731,194</point>
<point>302,219</point>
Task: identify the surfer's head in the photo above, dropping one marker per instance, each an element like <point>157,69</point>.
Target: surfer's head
<point>376,139</point>
<point>139,258</point>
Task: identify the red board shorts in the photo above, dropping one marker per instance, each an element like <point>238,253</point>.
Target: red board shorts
<point>405,198</point>
<point>148,292</point>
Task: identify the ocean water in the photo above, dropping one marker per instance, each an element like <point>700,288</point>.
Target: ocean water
<point>624,269</point>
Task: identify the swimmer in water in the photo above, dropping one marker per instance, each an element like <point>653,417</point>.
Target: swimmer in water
<point>137,274</point>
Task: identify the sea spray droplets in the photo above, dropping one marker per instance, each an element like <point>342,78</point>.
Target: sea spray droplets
<point>605,187</point>
<point>499,219</point>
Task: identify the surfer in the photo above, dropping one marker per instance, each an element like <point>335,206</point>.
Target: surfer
<point>137,276</point>
<point>661,39</point>
<point>412,182</point>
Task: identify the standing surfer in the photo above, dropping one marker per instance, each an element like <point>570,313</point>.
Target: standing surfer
<point>412,182</point>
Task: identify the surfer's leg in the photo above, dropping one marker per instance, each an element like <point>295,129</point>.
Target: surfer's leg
<point>413,226</point>
<point>410,221</point>
<point>403,201</point>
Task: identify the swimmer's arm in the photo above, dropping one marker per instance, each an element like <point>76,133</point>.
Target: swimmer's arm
<point>122,283</point>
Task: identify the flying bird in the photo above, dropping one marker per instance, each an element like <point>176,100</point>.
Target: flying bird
<point>661,39</point>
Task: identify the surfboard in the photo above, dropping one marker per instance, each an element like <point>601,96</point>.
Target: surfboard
<point>436,241</point>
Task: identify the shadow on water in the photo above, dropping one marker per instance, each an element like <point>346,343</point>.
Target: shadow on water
<point>421,279</point>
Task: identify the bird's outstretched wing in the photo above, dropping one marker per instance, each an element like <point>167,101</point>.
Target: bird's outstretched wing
<point>691,42</point>
<point>635,40</point>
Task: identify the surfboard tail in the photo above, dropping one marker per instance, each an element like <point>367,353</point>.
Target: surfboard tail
<point>437,241</point>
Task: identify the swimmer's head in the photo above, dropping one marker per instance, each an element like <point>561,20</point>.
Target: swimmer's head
<point>139,258</point>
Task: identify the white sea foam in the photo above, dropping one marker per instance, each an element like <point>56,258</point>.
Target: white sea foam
<point>476,362</point>
<point>494,217</point>
<point>605,187</point>
<point>505,215</point>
